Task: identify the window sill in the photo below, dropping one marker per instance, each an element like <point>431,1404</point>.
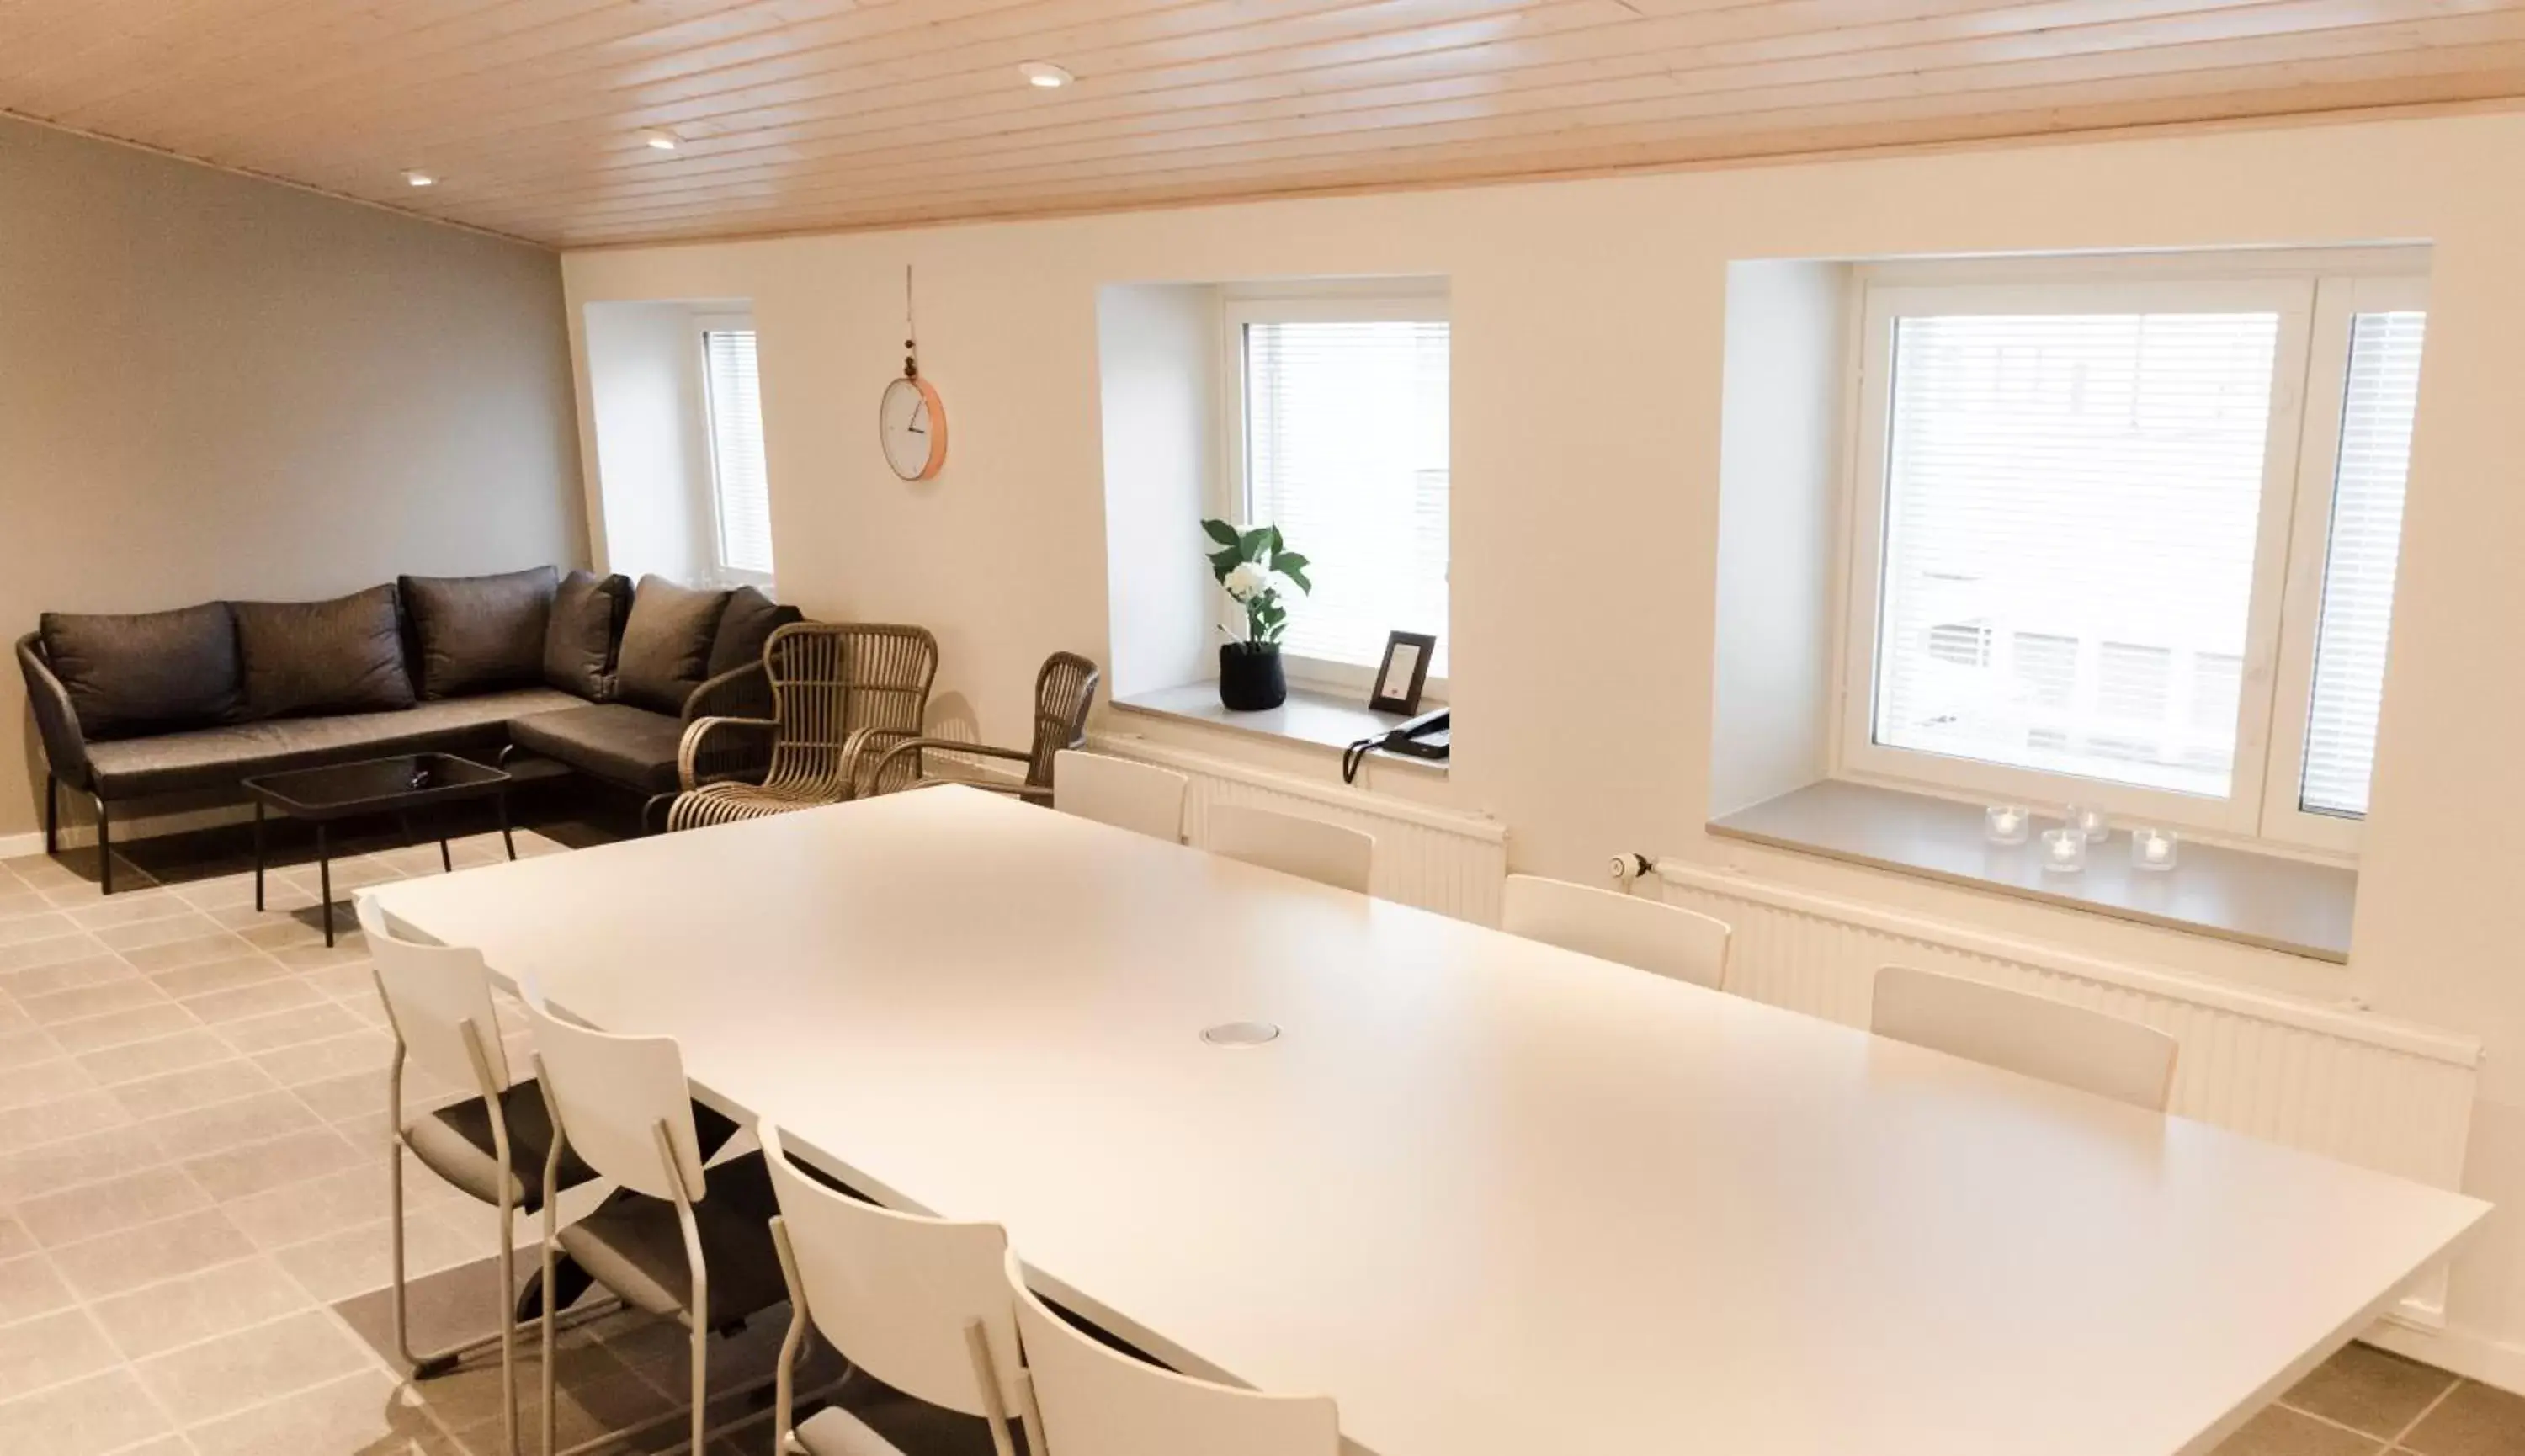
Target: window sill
<point>1309,717</point>
<point>2263,900</point>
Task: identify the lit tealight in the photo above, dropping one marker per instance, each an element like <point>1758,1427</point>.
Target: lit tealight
<point>1045,74</point>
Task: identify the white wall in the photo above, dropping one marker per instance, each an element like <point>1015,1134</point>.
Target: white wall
<point>1159,354</point>
<point>1779,457</point>
<point>1588,346</point>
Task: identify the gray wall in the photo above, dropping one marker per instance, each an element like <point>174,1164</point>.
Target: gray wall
<point>212,387</point>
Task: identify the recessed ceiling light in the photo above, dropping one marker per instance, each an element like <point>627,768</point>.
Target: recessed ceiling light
<point>664,141</point>
<point>419,178</point>
<point>1045,74</point>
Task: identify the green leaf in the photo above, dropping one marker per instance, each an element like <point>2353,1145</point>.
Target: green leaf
<point>1294,567</point>
<point>1252,542</point>
<point>1224,562</point>
<point>1220,531</point>
<point>1277,545</point>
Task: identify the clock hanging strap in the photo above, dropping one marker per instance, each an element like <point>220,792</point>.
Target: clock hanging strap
<point>910,349</point>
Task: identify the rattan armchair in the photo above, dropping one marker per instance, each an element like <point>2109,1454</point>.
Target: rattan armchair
<point>841,693</point>
<point>1063,690</point>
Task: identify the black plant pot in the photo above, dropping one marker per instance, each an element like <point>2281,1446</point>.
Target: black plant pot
<point>1249,679</point>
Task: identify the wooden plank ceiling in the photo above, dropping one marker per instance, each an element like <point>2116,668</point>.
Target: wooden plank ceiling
<point>535,115</point>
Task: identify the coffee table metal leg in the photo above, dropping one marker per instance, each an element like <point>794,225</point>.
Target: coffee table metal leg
<point>325,879</point>
<point>446,864</point>
<point>258,854</point>
<point>502,799</point>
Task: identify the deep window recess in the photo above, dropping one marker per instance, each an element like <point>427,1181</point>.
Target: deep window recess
<point>740,484</point>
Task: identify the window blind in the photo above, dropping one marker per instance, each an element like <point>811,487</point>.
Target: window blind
<point>1346,452</point>
<point>743,485</point>
<point>2077,494</point>
<point>2375,455</point>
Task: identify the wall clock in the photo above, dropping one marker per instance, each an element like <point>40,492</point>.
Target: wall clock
<point>911,420</point>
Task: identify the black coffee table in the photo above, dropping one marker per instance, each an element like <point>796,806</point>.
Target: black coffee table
<point>395,786</point>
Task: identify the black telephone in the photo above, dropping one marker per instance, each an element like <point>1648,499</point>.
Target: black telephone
<point>1425,736</point>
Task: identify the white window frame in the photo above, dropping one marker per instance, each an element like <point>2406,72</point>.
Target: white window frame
<point>704,325</point>
<point>2316,295</point>
<point>1371,301</point>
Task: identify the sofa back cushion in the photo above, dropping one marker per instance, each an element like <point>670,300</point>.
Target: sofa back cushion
<point>478,634</point>
<point>744,627</point>
<point>148,671</point>
<point>667,644</point>
<point>586,622</point>
<point>341,656</point>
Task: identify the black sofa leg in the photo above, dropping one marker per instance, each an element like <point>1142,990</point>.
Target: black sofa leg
<point>52,815</point>
<point>104,847</point>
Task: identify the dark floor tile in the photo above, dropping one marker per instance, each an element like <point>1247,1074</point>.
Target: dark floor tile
<point>2369,1389</point>
<point>2280,1432</point>
<point>2475,1421</point>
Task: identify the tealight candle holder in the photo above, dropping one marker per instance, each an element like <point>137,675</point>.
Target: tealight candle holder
<point>2152,849</point>
<point>2007,823</point>
<point>2089,822</point>
<point>2065,850</point>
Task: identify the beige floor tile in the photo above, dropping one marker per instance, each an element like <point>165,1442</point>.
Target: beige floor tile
<point>23,1128</point>
<point>94,1417</point>
<point>13,1239</point>
<point>238,1370</point>
<point>338,1100</point>
<point>191,924</point>
<point>369,1414</point>
<point>143,1024</point>
<point>355,983</point>
<point>259,999</point>
<point>221,892</point>
<point>2472,1421</point>
<point>26,1084</point>
<point>2279,1431</point>
<point>194,1087</point>
<point>358,1051</point>
<point>129,909</point>
<point>52,950</point>
<point>127,993</point>
<point>261,1167</point>
<point>171,1248</point>
<point>318,956</point>
<point>67,976</point>
<point>51,1350</point>
<point>26,1046</point>
<point>289,1027</point>
<point>94,1210</point>
<point>18,930</point>
<point>354,1261</point>
<point>2367,1389</point>
<point>191,1045</point>
<point>198,949</point>
<point>352,1198</point>
<point>204,1131</point>
<point>198,1306</point>
<point>30,1286</point>
<point>58,1166</point>
<point>16,902</point>
<point>226,974</point>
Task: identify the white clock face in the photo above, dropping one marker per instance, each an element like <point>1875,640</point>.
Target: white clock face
<point>913,428</point>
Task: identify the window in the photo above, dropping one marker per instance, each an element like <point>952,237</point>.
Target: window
<point>1344,437</point>
<point>740,486</point>
<point>2127,533</point>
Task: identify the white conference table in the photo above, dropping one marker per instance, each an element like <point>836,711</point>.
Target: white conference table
<point>1497,1198</point>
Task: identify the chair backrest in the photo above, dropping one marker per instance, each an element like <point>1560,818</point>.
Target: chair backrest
<point>829,678</point>
<point>1140,797</point>
<point>431,993</point>
<point>611,1092</point>
<point>1097,1401</point>
<point>1063,690</point>
<point>2106,1055</point>
<point>1650,934</point>
<point>1326,853</point>
<point>896,1292</point>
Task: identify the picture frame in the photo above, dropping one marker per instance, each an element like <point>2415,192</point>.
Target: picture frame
<point>1403,673</point>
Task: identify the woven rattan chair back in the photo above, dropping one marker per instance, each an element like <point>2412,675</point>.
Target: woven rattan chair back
<point>1063,690</point>
<point>834,685</point>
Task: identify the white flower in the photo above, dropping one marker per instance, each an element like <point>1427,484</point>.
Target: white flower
<point>1246,581</point>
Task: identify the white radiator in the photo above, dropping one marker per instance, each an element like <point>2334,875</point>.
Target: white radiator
<point>1434,857</point>
<point>2332,1081</point>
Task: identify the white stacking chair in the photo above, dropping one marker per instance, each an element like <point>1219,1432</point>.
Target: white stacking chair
<point>2106,1055</point>
<point>1093,1400</point>
<point>919,1303</point>
<point>1310,848</point>
<point>674,1241</point>
<point>1140,797</point>
<point>1650,934</point>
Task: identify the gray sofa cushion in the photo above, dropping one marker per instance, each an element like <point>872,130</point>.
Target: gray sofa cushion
<point>743,629</point>
<point>474,634</point>
<point>338,656</point>
<point>587,612</point>
<point>667,644</point>
<point>612,741</point>
<point>475,728</point>
<point>147,672</point>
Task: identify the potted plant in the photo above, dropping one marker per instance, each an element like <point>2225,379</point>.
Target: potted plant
<point>1250,566</point>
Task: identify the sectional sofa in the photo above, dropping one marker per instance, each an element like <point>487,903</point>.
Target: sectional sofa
<point>582,669</point>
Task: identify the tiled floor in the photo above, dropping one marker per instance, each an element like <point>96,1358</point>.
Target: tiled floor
<point>192,1204</point>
